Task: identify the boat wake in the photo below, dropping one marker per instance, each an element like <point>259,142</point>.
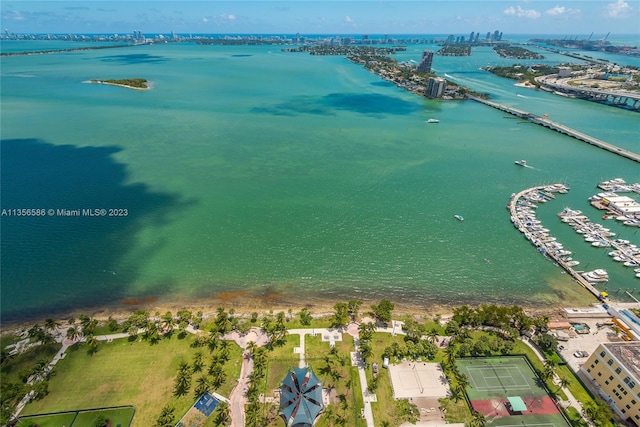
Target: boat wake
<point>522,96</point>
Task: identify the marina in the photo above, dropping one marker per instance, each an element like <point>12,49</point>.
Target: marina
<point>621,208</point>
<point>522,209</point>
<point>599,236</point>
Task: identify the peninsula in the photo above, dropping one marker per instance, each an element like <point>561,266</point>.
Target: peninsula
<point>141,84</point>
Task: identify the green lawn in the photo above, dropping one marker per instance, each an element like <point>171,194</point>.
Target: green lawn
<point>117,417</point>
<point>60,420</point>
<point>122,372</point>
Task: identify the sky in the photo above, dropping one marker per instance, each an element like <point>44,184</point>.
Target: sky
<point>560,17</point>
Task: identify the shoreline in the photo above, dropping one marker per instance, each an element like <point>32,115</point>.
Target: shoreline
<point>244,303</point>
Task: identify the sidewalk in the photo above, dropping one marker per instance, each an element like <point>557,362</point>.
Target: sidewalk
<point>571,400</point>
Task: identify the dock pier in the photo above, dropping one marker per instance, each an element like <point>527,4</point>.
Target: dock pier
<point>535,237</point>
<point>550,124</point>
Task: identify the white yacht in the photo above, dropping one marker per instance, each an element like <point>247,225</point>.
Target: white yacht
<point>596,276</point>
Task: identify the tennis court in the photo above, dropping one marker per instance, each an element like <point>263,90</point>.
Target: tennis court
<point>508,392</point>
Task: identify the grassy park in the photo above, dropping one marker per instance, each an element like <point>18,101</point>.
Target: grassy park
<point>124,372</point>
<point>164,373</point>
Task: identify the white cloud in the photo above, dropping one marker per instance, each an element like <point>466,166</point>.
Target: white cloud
<point>228,17</point>
<point>205,19</point>
<point>562,11</point>
<point>619,9</point>
<point>13,15</point>
<point>347,19</point>
<point>522,13</point>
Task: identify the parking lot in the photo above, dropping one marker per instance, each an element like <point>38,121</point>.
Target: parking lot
<point>585,344</point>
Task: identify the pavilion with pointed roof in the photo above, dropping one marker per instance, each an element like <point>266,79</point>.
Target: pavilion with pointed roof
<point>300,397</point>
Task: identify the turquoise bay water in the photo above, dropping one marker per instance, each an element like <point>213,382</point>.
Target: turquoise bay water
<point>285,175</point>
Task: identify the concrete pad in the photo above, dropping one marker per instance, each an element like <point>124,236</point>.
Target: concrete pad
<point>418,379</point>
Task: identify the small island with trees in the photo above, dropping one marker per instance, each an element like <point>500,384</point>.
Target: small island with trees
<point>523,73</point>
<point>455,50</point>
<point>515,52</point>
<point>128,83</point>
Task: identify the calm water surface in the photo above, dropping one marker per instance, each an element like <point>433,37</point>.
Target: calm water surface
<point>289,176</point>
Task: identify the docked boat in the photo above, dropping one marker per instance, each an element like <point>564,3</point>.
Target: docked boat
<point>596,276</point>
<point>521,162</point>
<point>459,217</point>
<point>433,121</point>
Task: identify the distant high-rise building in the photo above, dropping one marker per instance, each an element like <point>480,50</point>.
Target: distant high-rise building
<point>477,37</point>
<point>496,35</point>
<point>488,36</point>
<point>435,87</point>
<point>425,63</point>
<point>471,36</point>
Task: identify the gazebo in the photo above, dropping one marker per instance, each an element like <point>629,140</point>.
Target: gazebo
<point>300,397</point>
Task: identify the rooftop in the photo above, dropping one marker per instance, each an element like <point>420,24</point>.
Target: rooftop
<point>628,354</point>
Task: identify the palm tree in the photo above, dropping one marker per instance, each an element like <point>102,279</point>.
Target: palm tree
<point>222,414</point>
<point>463,381</point>
<point>251,348</point>
<point>450,353</point>
<point>563,383</point>
<point>183,383</point>
<point>51,325</point>
<point>202,385</point>
<point>73,333</point>
<point>198,362</point>
<point>166,418</point>
<point>456,393</point>
<point>479,420</point>
<point>92,344</point>
<point>432,335</point>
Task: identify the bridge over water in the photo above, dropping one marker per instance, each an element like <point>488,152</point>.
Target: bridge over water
<point>543,121</point>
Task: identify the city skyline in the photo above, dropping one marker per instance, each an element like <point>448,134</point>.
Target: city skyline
<point>570,18</point>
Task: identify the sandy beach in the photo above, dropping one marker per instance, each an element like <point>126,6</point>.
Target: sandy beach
<point>245,303</point>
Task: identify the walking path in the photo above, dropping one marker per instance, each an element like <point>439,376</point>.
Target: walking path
<point>571,400</point>
<point>237,398</point>
<point>356,360</point>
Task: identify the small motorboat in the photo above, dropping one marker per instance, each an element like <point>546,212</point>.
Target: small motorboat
<point>521,162</point>
<point>459,217</point>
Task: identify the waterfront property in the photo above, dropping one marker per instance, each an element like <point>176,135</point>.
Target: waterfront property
<point>614,367</point>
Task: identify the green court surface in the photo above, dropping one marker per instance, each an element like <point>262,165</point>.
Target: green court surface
<point>118,417</point>
<point>509,393</point>
<point>498,377</point>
